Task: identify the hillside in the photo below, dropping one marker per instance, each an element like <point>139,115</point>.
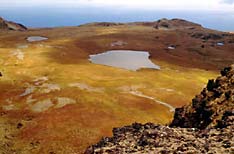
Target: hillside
<point>205,126</point>
<point>8,25</point>
<point>54,100</point>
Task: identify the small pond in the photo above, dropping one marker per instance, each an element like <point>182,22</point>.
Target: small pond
<point>125,59</point>
<point>220,44</point>
<point>171,47</point>
<point>36,38</point>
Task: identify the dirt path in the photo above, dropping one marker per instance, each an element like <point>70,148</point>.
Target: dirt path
<point>140,94</point>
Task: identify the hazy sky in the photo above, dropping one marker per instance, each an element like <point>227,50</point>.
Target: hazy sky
<point>215,14</point>
<point>213,5</point>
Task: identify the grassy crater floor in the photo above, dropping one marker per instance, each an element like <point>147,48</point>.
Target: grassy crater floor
<point>53,100</point>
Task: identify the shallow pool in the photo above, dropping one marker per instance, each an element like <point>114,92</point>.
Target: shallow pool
<point>125,59</point>
<point>36,38</point>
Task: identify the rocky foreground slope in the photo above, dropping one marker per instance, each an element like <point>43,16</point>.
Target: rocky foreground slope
<point>8,25</point>
<point>205,126</point>
<point>209,108</point>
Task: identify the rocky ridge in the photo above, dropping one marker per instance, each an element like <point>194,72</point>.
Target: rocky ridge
<point>8,25</point>
<point>195,30</point>
<point>209,107</point>
<point>159,24</point>
<point>205,126</point>
<point>175,24</point>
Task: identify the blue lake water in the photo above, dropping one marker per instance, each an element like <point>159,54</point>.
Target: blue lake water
<point>125,59</point>
<point>36,38</point>
<point>53,17</point>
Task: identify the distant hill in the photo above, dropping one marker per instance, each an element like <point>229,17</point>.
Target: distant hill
<point>193,29</point>
<point>175,23</point>
<point>205,126</point>
<point>160,24</point>
<point>8,25</point>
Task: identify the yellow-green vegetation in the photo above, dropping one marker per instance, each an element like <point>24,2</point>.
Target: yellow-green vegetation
<point>66,103</point>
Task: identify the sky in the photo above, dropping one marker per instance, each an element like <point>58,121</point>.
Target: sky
<point>215,14</point>
<point>205,5</point>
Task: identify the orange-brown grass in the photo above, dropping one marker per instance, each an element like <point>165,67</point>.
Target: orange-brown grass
<point>107,102</point>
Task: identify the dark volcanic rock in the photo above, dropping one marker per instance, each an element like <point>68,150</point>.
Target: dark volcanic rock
<point>205,126</point>
<point>8,25</point>
<point>207,36</point>
<point>211,105</point>
<point>231,41</point>
<point>151,138</point>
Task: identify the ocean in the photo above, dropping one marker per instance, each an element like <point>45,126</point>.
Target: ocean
<point>59,16</point>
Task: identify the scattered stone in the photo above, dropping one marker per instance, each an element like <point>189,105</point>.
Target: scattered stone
<point>171,47</point>
<point>84,86</point>
<point>9,107</point>
<point>63,101</point>
<point>35,144</point>
<point>19,125</point>
<point>22,46</point>
<point>42,106</point>
<point>18,54</point>
<point>167,89</point>
<point>30,100</point>
<point>207,36</point>
<point>118,43</point>
<point>231,41</point>
<point>48,87</point>
<point>40,80</point>
<point>28,91</point>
